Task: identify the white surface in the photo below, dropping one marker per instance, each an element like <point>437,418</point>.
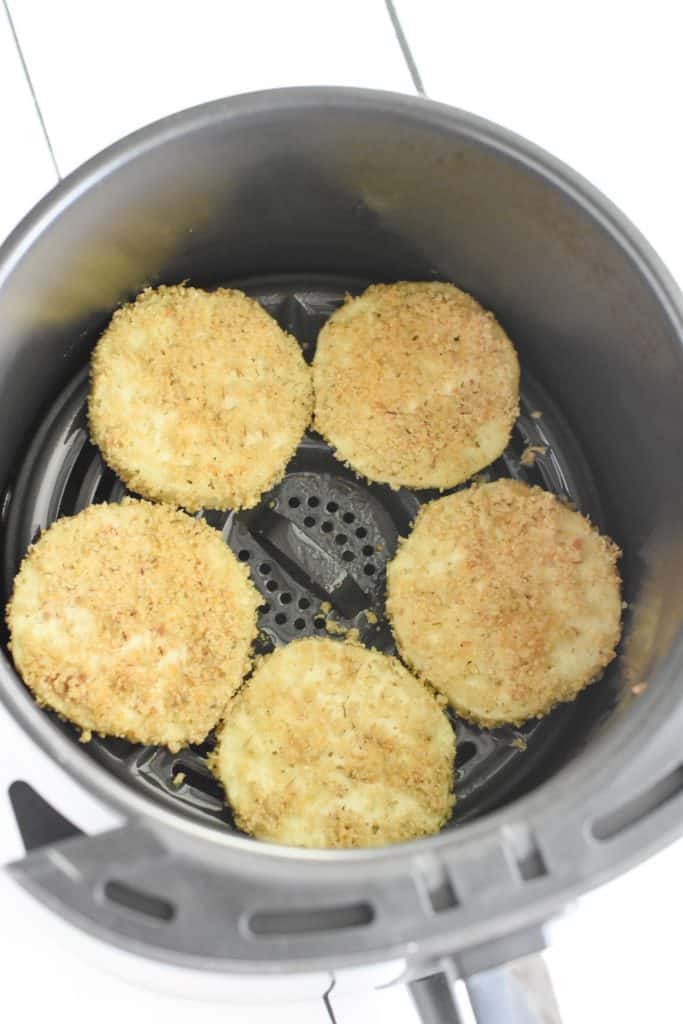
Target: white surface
<point>617,959</point>
<point>26,170</point>
<point>102,70</point>
<point>597,84</point>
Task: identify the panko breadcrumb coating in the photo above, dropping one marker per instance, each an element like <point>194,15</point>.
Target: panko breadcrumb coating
<point>415,384</point>
<point>333,745</point>
<point>198,398</point>
<point>506,600</point>
<point>133,620</point>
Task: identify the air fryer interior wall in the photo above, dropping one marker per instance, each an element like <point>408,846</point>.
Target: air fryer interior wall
<point>352,187</point>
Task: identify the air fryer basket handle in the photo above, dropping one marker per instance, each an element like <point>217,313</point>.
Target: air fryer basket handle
<point>519,992</point>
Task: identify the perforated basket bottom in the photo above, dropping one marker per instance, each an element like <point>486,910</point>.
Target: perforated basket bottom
<point>321,537</point>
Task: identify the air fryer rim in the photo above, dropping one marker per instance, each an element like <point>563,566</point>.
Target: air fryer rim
<point>607,753</point>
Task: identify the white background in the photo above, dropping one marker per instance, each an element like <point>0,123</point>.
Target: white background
<point>599,84</point>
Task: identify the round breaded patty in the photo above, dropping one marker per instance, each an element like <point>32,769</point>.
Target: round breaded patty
<point>133,620</point>
<point>415,384</point>
<point>198,398</point>
<point>330,744</point>
<point>506,600</point>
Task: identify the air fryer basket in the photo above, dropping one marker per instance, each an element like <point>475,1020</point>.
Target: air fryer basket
<point>317,547</point>
<point>297,197</point>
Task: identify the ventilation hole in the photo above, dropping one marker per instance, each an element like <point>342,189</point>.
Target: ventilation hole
<point>361,532</point>
<point>348,556</point>
<point>299,624</point>
<point>214,518</point>
<point>264,568</point>
<point>327,527</point>
<point>244,555</point>
<point>205,783</point>
<point>332,506</point>
<point>301,922</point>
<point>369,569</point>
<point>309,521</point>
<point>532,865</point>
<point>348,517</point>
<point>294,503</point>
<point>204,748</point>
<point>280,619</point>
<point>265,608</point>
<point>443,897</point>
<point>368,550</point>
<point>141,902</point>
<point>285,598</point>
<point>639,807</point>
<point>465,752</point>
<point>319,623</point>
<point>271,585</point>
<point>341,538</point>
<point>313,502</point>
<point>304,603</point>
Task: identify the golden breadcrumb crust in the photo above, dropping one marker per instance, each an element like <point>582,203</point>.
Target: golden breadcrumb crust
<point>505,600</point>
<point>133,620</point>
<point>333,745</point>
<point>415,384</point>
<point>197,398</point>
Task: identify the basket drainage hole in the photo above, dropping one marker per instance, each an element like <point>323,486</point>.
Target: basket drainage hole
<point>299,624</point>
<point>244,555</point>
<point>313,502</point>
<point>327,527</point>
<point>361,532</point>
<point>348,556</point>
<point>341,538</point>
<point>294,503</point>
<point>205,783</point>
<point>139,901</point>
<point>368,550</point>
<point>348,517</point>
<point>332,506</point>
<point>271,585</point>
<point>309,521</point>
<point>304,603</point>
<point>264,568</point>
<point>280,619</point>
<point>319,623</point>
<point>285,598</point>
<point>369,569</point>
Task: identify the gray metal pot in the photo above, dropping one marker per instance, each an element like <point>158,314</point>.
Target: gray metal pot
<point>289,193</point>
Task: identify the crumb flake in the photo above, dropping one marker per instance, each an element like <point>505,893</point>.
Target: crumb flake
<point>531,453</point>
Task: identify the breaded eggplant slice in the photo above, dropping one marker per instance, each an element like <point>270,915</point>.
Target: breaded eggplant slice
<point>330,744</point>
<point>415,385</point>
<point>133,620</point>
<point>198,399</point>
<point>506,600</point>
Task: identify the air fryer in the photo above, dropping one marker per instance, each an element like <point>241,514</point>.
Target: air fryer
<point>298,197</point>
